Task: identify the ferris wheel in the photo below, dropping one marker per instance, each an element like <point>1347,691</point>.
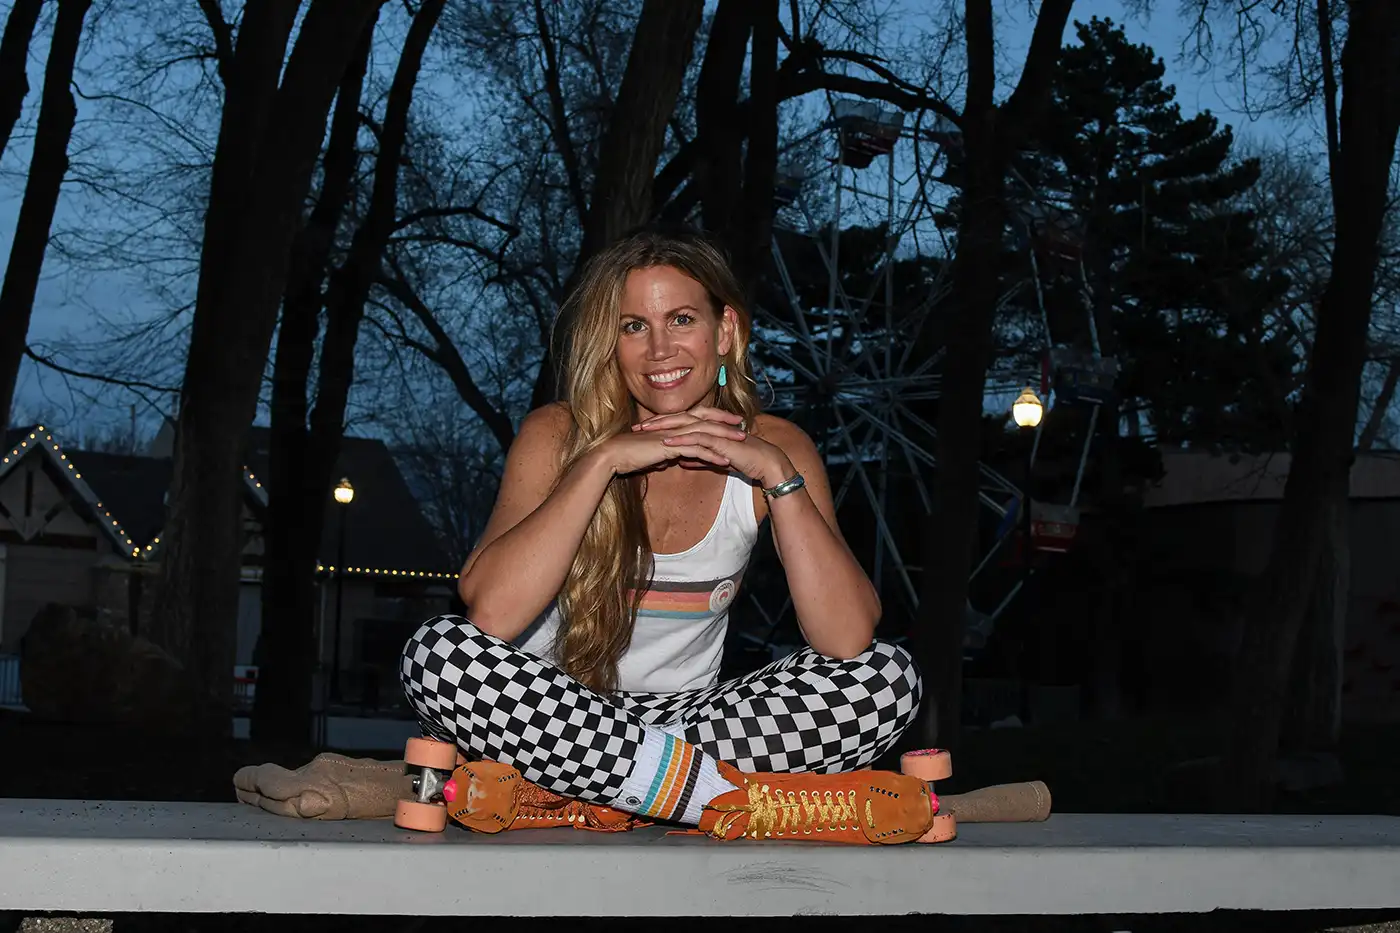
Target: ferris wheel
<point>856,356</point>
<point>846,351</point>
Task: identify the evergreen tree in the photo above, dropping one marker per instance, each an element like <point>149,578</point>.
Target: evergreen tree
<point>1140,204</point>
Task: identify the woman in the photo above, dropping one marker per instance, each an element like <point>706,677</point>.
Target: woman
<point>599,592</point>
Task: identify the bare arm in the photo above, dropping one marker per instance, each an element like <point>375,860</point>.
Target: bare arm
<point>535,530</point>
<point>836,604</point>
<point>530,541</point>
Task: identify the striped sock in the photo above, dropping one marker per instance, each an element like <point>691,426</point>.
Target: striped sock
<point>670,780</point>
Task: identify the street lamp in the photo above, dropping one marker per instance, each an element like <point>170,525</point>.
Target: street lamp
<point>344,494</point>
<point>1027,410</point>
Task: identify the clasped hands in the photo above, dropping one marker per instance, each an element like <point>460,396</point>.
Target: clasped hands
<point>704,434</point>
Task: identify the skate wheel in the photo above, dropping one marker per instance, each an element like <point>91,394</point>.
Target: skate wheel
<point>430,753</point>
<point>927,764</point>
<point>421,817</point>
<point>944,829</point>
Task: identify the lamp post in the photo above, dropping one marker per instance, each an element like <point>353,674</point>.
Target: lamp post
<point>344,494</point>
<point>1027,410</point>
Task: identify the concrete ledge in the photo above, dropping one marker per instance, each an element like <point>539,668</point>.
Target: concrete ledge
<point>110,856</point>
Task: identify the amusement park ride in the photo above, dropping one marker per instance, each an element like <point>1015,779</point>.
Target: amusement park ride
<point>853,357</point>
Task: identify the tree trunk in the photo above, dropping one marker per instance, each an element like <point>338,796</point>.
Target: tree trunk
<point>989,134</point>
<point>1313,715</point>
<point>14,64</point>
<point>292,530</point>
<point>47,168</point>
<point>1111,560</point>
<point>753,251</point>
<point>719,172</point>
<point>662,46</point>
<point>269,139</point>
<point>346,295</point>
<point>953,528</point>
<point>1323,451</point>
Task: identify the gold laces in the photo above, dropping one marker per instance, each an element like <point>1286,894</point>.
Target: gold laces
<point>788,812</point>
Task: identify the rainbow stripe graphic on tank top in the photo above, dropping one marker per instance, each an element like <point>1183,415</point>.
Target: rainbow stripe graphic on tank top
<point>688,601</point>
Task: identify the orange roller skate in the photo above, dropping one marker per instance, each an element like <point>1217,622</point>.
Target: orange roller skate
<point>860,807</point>
<point>489,797</point>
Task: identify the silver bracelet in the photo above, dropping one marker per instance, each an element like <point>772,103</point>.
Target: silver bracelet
<point>786,486</point>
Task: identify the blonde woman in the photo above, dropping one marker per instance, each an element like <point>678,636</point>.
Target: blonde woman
<point>599,593</point>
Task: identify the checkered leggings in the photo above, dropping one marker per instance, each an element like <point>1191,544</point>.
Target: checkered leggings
<point>805,712</point>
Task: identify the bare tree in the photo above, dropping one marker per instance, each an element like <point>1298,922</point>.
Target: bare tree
<point>14,64</point>
<point>1307,562</point>
<point>47,168</point>
<point>990,135</point>
<point>662,47</point>
<point>303,457</point>
<point>271,127</point>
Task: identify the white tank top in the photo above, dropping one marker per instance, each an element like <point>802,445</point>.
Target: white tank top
<point>682,619</point>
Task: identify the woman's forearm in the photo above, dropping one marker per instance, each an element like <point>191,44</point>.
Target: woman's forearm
<point>836,604</point>
<point>514,578</point>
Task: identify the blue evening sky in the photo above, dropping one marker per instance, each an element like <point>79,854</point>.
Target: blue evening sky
<point>69,303</point>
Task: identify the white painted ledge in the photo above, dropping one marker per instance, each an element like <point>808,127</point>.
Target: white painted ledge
<point>111,856</point>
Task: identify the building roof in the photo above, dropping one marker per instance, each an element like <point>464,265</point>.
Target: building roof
<point>385,528</point>
<point>386,532</point>
<point>36,440</point>
<point>1194,477</point>
<point>132,488</point>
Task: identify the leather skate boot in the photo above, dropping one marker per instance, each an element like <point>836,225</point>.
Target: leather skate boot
<point>489,797</point>
<point>859,807</point>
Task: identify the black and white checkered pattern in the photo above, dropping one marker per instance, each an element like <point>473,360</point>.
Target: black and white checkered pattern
<point>805,712</point>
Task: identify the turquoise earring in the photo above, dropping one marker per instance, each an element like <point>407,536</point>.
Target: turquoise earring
<point>723,376</point>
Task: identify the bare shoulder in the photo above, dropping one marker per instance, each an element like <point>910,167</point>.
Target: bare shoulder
<point>543,432</point>
<point>532,468</point>
<point>551,420</point>
<point>787,437</point>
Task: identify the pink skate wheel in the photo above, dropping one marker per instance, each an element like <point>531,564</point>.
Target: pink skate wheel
<point>449,791</point>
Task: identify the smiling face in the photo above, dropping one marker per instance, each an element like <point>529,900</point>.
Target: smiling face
<point>670,340</point>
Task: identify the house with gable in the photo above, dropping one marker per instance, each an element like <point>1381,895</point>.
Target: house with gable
<point>82,528</point>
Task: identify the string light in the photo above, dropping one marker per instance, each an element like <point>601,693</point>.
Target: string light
<point>389,572</point>
<point>119,533</point>
<point>60,459</point>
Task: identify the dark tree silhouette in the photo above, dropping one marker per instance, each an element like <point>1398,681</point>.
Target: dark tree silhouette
<point>990,133</point>
<point>1324,444</point>
<point>269,138</point>
<point>14,62</point>
<point>47,168</point>
<point>303,458</point>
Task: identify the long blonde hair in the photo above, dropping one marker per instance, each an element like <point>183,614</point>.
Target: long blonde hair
<point>613,566</point>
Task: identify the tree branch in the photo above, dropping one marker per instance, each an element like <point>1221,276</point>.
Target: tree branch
<point>1026,104</point>
<point>559,121</point>
<point>448,357</point>
<point>468,210</point>
<point>223,36</point>
<point>50,363</point>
